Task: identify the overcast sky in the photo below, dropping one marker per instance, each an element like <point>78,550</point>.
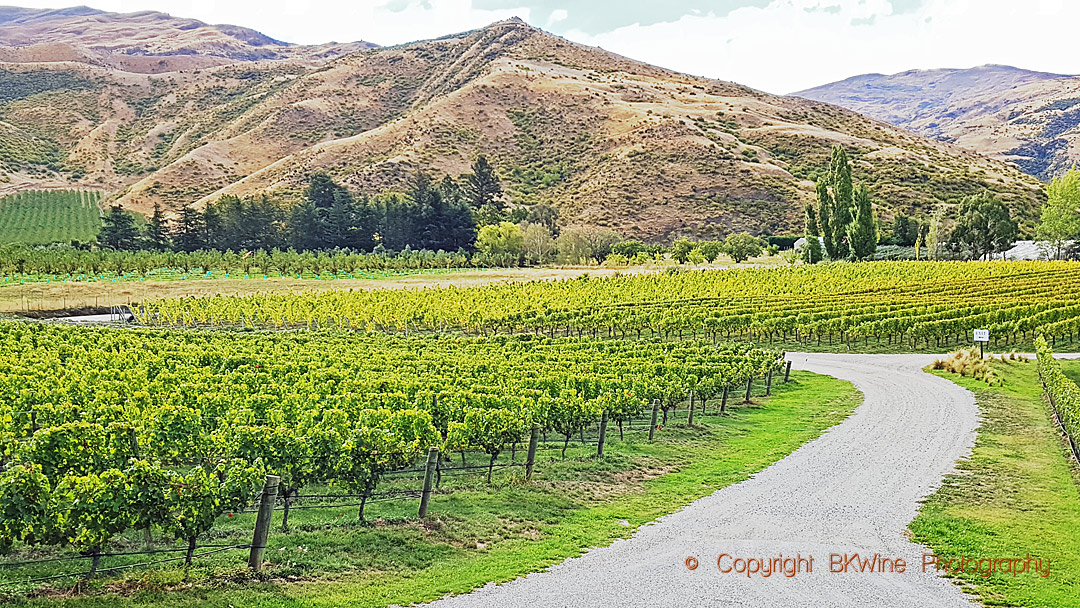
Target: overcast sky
<point>778,46</point>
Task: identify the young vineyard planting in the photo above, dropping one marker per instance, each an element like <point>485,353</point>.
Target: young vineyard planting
<point>50,216</point>
<point>108,430</point>
<point>903,303</point>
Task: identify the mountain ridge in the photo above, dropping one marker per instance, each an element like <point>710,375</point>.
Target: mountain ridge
<point>1016,115</point>
<point>142,41</point>
<point>608,140</point>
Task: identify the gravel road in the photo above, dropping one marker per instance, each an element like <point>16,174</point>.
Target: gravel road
<point>852,490</point>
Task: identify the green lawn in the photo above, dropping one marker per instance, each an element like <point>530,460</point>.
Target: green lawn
<point>39,217</point>
<point>1017,495</point>
<point>490,534</point>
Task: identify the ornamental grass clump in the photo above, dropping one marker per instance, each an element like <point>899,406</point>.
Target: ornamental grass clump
<point>968,362</point>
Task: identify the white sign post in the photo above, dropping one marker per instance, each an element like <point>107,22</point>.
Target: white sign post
<point>982,336</point>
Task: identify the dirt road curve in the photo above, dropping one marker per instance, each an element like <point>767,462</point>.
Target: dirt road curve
<point>852,490</point>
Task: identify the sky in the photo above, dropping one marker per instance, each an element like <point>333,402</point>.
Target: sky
<point>779,46</point>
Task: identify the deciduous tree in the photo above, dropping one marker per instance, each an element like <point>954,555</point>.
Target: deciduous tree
<point>843,202</point>
<point>812,250</point>
<point>1060,220</point>
<point>825,204</point>
<point>983,227</point>
<point>742,247</point>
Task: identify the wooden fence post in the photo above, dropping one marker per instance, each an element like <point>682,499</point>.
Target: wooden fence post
<point>534,438</point>
<point>603,434</point>
<point>429,478</point>
<point>749,387</point>
<point>787,372</point>
<point>690,418</point>
<point>655,411</point>
<point>723,401</point>
<point>262,522</point>
<point>768,384</point>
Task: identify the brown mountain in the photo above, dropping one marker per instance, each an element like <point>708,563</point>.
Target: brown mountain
<point>1029,118</point>
<point>608,140</point>
<point>145,42</point>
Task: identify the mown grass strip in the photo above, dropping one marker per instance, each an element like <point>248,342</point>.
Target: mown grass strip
<point>1016,496</point>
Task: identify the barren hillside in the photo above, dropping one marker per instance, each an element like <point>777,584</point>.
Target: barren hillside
<point>1029,118</point>
<point>608,140</point>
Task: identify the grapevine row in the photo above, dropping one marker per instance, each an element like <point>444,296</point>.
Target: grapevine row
<point>1062,392</point>
<point>901,302</point>
<point>106,430</point>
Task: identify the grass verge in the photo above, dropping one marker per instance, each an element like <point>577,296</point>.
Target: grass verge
<point>492,534</point>
<point>1016,496</point>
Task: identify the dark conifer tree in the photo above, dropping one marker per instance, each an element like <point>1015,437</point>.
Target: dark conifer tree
<point>482,186</point>
<point>190,234</point>
<point>157,230</point>
<point>813,253</point>
<point>118,230</point>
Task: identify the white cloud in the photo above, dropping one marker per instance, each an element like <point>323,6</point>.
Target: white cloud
<point>557,15</point>
<point>790,45</point>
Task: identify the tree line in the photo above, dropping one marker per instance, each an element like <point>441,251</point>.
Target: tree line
<point>432,215</point>
<point>1059,225</point>
<point>843,225</point>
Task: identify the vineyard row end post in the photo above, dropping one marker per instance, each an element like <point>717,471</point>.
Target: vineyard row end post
<point>262,522</point>
<point>787,372</point>
<point>429,480</point>
<point>749,388</point>
<point>534,439</point>
<point>655,411</point>
<point>603,434</point>
<point>768,384</point>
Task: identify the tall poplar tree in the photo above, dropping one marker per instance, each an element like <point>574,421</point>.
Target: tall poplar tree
<point>813,252</point>
<point>862,232</point>
<point>825,204</point>
<point>843,201</point>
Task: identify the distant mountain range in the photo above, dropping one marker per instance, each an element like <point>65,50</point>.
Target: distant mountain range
<point>156,109</point>
<point>1029,118</point>
<point>145,42</point>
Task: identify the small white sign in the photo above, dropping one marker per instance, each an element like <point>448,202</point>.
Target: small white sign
<point>982,335</point>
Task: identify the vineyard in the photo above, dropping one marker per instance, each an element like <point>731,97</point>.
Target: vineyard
<point>40,217</point>
<point>903,304</point>
<point>82,264</point>
<point>1063,394</point>
<point>106,431</point>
